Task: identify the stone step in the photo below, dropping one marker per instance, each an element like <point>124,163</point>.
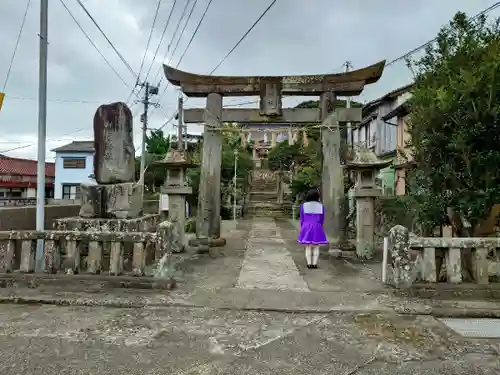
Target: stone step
<point>260,209</point>
<point>263,196</point>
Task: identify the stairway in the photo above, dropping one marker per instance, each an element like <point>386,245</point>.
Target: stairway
<point>264,195</point>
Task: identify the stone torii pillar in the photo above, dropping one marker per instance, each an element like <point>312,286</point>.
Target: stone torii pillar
<point>208,219</point>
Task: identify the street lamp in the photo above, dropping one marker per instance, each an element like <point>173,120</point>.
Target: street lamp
<point>234,183</point>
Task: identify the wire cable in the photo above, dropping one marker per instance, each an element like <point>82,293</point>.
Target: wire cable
<point>186,49</point>
<point>163,35</point>
<point>150,36</point>
<point>232,49</point>
<point>146,49</point>
<point>93,44</point>
<point>16,46</point>
<point>414,50</point>
<point>244,36</point>
<point>107,39</point>
<point>177,43</point>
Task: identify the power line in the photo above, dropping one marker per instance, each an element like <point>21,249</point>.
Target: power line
<point>177,44</point>
<point>414,50</point>
<point>244,35</point>
<point>147,47</point>
<point>230,51</point>
<point>195,32</point>
<point>163,35</point>
<point>107,39</point>
<point>16,46</point>
<point>34,144</point>
<point>150,36</point>
<point>93,44</point>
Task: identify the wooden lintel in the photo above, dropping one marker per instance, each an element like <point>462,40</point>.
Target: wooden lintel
<point>289,115</point>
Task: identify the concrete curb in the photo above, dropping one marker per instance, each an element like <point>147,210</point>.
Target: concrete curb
<point>125,303</point>
<point>438,312</point>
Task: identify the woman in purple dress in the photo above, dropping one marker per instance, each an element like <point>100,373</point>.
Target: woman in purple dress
<point>312,235</point>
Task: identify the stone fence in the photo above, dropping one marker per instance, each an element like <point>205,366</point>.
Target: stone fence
<point>103,252</point>
<point>414,259</point>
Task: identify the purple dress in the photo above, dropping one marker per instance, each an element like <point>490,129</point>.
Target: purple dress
<point>312,215</point>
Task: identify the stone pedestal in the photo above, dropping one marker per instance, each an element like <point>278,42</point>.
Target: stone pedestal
<point>118,201</point>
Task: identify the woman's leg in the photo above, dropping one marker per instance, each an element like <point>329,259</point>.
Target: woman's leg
<point>315,255</point>
<point>308,255</point>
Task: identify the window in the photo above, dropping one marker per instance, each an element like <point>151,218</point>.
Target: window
<point>74,163</point>
<point>70,191</point>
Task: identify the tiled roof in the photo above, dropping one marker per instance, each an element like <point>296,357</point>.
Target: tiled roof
<point>76,146</point>
<point>23,167</point>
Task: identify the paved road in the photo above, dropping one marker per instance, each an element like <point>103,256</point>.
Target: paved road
<point>210,330</point>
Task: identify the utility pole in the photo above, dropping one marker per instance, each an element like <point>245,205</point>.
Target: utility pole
<point>180,123</point>
<point>149,91</point>
<point>42,133</point>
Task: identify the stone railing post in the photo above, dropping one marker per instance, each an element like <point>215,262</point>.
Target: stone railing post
<point>399,246</point>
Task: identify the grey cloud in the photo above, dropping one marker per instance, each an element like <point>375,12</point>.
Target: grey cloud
<point>295,37</point>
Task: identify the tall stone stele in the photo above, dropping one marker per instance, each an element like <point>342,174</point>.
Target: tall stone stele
<point>365,165</point>
<point>116,194</point>
<point>176,162</point>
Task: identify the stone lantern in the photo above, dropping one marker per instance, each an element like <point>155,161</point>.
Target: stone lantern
<point>365,164</point>
<point>176,162</point>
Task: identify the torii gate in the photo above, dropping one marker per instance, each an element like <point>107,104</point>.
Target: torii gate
<point>270,89</point>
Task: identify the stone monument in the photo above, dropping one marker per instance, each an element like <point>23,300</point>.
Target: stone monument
<point>176,162</point>
<point>366,165</point>
<point>114,202</point>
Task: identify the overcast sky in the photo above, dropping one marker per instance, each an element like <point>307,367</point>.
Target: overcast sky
<point>296,36</point>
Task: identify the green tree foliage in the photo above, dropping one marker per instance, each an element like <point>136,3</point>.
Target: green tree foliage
<point>157,146</point>
<point>455,124</point>
<point>283,156</point>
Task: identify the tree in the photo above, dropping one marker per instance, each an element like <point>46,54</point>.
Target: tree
<point>455,126</point>
<point>283,156</point>
<point>157,146</point>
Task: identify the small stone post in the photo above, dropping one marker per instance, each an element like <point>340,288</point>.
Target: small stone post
<point>176,162</point>
<point>366,164</point>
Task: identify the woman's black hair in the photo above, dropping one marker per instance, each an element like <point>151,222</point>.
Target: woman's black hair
<point>312,195</point>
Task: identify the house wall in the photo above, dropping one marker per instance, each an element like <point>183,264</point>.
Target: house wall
<point>71,175</point>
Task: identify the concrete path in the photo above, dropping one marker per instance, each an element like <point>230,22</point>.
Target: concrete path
<point>268,264</point>
<point>47,340</point>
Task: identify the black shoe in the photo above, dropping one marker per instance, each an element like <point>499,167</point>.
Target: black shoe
<point>309,266</point>
<point>314,266</point>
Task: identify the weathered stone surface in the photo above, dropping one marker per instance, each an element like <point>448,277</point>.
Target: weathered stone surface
<point>7,249</point>
<point>403,270</point>
<point>123,201</point>
<point>92,203</point>
<point>114,159</point>
<point>208,223</point>
<point>145,223</point>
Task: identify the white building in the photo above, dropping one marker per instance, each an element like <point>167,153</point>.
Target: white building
<point>74,166</point>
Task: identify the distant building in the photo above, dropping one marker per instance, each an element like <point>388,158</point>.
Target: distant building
<point>383,129</point>
<point>73,166</point>
<point>18,178</point>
